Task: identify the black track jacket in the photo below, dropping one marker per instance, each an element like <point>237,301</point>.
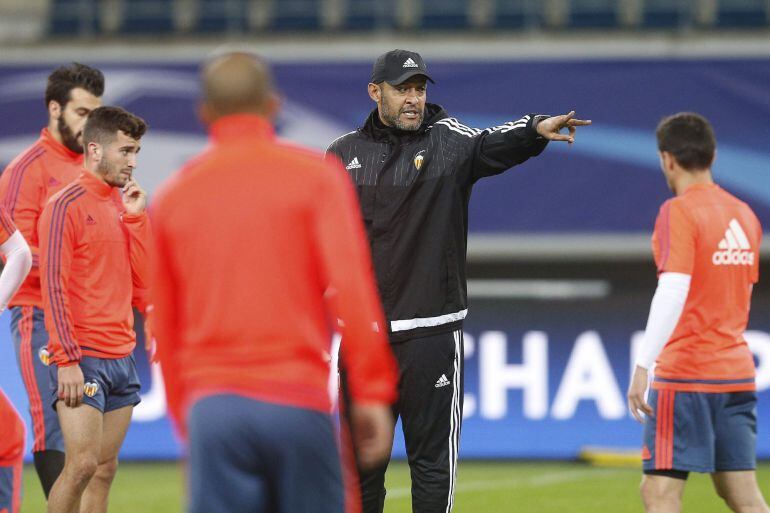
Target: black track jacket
<point>414,189</point>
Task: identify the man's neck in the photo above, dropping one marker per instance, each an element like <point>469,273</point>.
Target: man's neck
<point>53,129</point>
<point>96,174</point>
<point>687,179</point>
<point>380,123</point>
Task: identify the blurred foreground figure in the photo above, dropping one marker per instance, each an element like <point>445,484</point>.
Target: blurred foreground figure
<point>18,261</point>
<point>701,415</point>
<point>259,253</point>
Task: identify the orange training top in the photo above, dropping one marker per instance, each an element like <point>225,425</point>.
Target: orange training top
<point>714,237</point>
<point>259,248</point>
<point>25,187</point>
<point>90,256</point>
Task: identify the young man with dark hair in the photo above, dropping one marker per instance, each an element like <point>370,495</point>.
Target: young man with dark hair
<point>92,256</point>
<point>701,414</point>
<point>40,171</point>
<point>414,168</point>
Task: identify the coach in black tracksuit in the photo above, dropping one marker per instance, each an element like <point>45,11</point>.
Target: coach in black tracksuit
<point>414,168</point>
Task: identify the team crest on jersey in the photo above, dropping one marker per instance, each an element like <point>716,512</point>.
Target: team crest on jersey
<point>419,159</point>
<point>44,355</point>
<point>91,388</point>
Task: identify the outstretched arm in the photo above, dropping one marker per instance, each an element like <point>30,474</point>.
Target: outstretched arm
<point>499,148</point>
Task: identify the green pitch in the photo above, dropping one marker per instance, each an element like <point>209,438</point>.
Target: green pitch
<point>518,487</point>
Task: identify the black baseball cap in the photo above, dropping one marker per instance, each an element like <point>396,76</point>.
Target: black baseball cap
<point>397,66</point>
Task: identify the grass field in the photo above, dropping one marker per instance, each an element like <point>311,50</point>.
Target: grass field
<point>495,487</point>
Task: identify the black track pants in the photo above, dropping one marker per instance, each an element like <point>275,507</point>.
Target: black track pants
<point>430,405</point>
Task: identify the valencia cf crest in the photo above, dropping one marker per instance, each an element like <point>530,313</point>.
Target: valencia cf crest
<point>90,388</point>
<point>45,356</point>
<point>419,159</point>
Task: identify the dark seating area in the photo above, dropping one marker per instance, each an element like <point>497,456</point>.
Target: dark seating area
<point>160,17</point>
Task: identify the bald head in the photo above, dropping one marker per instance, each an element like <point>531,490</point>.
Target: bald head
<point>237,82</point>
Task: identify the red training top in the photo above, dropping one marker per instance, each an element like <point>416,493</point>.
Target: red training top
<point>714,237</point>
<point>91,256</point>
<point>25,187</point>
<point>259,249</point>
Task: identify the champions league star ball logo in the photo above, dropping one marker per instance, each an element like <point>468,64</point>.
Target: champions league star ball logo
<point>45,356</point>
<point>91,388</point>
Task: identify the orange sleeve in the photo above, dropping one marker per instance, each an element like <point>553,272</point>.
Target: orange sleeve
<point>674,239</point>
<point>23,198</point>
<point>7,228</point>
<point>11,432</point>
<point>165,321</point>
<point>352,293</point>
<point>57,243</point>
<point>140,299</point>
<point>139,238</point>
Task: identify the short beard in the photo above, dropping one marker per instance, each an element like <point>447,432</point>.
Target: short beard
<point>68,138</point>
<point>104,168</point>
<point>395,120</point>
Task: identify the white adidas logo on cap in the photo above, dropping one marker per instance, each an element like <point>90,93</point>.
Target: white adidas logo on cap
<point>409,63</point>
<point>735,248</point>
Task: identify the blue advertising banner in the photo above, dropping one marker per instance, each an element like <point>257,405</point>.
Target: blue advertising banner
<point>543,378</point>
<point>549,379</point>
<point>609,181</point>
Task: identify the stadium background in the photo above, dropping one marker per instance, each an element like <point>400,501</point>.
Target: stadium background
<point>559,259</point>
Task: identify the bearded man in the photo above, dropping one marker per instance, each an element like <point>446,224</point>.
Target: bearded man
<point>39,172</point>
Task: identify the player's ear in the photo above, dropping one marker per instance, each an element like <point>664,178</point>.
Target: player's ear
<point>54,109</point>
<point>375,92</point>
<point>94,152</point>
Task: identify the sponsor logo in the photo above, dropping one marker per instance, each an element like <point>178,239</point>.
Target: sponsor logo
<point>409,63</point>
<point>90,220</point>
<point>419,159</point>
<point>442,381</point>
<point>91,388</point>
<point>354,164</point>
<point>53,182</point>
<point>44,355</point>
<point>734,248</point>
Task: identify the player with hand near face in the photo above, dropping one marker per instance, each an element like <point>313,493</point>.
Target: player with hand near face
<point>93,254</point>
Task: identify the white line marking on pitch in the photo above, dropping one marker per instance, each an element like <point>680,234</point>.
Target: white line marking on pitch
<point>537,481</point>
